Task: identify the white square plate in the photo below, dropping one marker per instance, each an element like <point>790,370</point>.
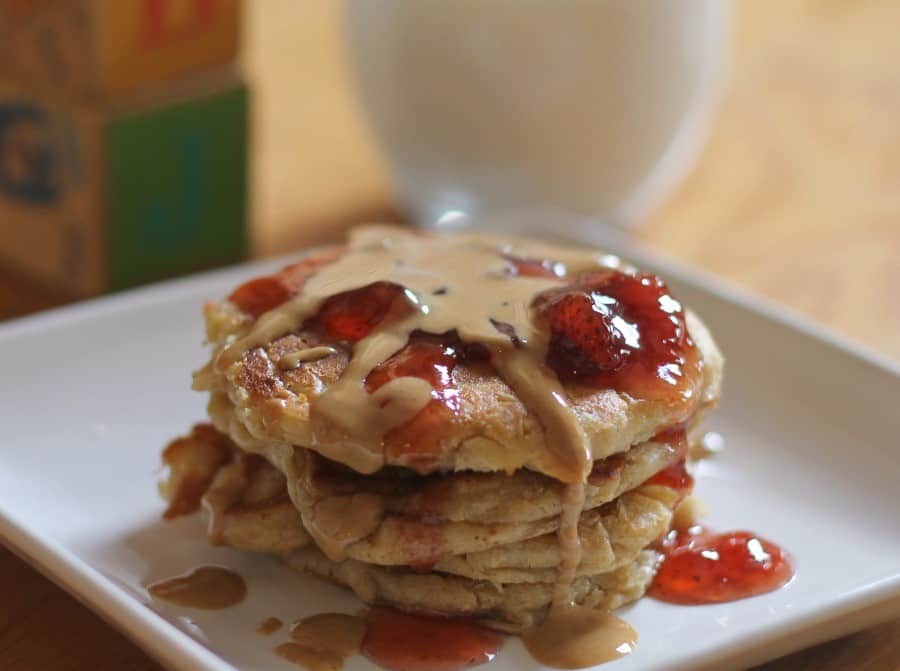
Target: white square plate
<point>90,394</point>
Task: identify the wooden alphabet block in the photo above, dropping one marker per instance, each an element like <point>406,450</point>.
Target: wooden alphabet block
<point>96,198</point>
<point>113,48</point>
<point>51,186</point>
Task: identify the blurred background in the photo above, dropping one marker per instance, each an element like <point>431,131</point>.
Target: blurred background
<point>146,139</point>
<point>140,153</point>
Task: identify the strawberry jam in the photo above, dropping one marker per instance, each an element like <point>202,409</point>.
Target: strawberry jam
<point>622,331</point>
<point>403,642</point>
<point>353,315</point>
<point>676,438</point>
<point>700,566</point>
<point>260,295</point>
<point>432,358</point>
<point>674,477</point>
<point>266,293</point>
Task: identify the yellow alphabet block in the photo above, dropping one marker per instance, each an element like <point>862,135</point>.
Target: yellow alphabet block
<point>112,48</point>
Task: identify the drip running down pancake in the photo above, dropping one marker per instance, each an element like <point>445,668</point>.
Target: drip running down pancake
<point>453,424</point>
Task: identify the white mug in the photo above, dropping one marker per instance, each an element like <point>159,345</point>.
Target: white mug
<point>592,106</point>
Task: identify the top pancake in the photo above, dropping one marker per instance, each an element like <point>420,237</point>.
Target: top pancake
<point>263,404</point>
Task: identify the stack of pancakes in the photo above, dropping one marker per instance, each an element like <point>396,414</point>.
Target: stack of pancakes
<point>471,531</point>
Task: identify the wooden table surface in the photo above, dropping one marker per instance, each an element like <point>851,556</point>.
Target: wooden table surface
<point>796,197</point>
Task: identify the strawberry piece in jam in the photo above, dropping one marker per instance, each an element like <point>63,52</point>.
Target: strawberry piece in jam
<point>432,358</point>
<point>621,331</point>
<point>701,566</point>
<point>262,294</point>
<point>583,341</point>
<point>405,642</point>
<point>353,315</point>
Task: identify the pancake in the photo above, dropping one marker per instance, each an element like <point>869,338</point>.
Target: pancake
<point>457,425</point>
<point>611,536</point>
<point>507,586</point>
<point>245,497</point>
<point>420,537</point>
<point>490,430</point>
<point>510,608</point>
<point>493,431</point>
<point>490,498</point>
<point>249,508</point>
<point>193,461</point>
<point>258,515</point>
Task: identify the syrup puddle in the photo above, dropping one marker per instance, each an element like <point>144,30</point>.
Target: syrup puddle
<point>576,637</point>
<point>205,588</point>
<point>269,626</point>
<point>323,642</point>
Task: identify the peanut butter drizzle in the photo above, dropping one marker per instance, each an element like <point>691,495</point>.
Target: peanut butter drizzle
<point>269,626</point>
<point>348,405</point>
<point>569,547</point>
<point>578,637</point>
<point>294,359</point>
<point>205,587</point>
<point>226,490</point>
<point>477,291</point>
<point>322,642</point>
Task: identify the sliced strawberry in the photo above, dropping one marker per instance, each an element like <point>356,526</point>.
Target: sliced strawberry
<point>620,330</point>
<point>353,315</point>
<point>262,294</point>
<point>583,339</point>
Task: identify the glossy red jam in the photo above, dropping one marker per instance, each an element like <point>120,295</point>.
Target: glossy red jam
<point>349,316</point>
<point>403,642</point>
<point>353,315</point>
<point>622,331</point>
<point>701,566</point>
<point>676,438</point>
<point>432,358</point>
<point>266,293</point>
<point>674,477</point>
<point>260,295</point>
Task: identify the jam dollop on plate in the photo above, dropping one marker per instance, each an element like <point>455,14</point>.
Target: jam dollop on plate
<point>701,566</point>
